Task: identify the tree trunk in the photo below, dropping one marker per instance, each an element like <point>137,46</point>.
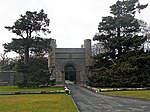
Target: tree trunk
<point>26,55</point>
<point>119,43</point>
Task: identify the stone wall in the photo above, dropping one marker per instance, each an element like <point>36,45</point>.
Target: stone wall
<point>9,78</point>
<point>70,56</point>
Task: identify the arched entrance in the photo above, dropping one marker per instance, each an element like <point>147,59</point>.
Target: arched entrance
<point>70,73</point>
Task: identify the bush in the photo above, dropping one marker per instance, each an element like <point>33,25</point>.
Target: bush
<point>28,85</point>
<point>35,73</point>
<point>133,71</point>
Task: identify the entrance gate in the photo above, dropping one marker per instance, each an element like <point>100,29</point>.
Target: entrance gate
<point>70,63</point>
<point>70,73</point>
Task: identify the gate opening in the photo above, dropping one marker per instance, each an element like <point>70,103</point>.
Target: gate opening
<point>70,73</point>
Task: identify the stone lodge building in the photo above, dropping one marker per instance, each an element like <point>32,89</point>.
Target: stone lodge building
<point>70,63</point>
<point>64,64</point>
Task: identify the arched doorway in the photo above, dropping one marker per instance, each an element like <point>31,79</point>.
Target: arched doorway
<point>70,73</point>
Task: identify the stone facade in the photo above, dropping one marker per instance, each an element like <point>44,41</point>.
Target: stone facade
<point>70,63</point>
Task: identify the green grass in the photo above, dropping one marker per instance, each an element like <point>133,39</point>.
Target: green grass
<point>37,103</point>
<point>136,93</point>
<point>16,89</point>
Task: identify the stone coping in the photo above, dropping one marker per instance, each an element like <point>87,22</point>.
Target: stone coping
<point>113,89</point>
<point>92,89</point>
<point>31,92</point>
<point>123,89</point>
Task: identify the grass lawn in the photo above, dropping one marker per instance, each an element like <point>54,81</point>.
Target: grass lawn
<point>133,93</point>
<point>16,89</point>
<point>37,103</point>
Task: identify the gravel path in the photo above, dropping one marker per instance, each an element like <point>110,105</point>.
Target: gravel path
<point>88,101</point>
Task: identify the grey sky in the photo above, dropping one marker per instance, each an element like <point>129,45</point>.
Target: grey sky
<point>71,21</point>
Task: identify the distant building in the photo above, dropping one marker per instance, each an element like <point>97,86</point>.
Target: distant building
<point>70,63</point>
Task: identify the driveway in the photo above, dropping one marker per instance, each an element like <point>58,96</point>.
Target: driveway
<point>88,101</point>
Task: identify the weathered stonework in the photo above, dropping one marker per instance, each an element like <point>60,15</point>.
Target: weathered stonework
<point>70,63</point>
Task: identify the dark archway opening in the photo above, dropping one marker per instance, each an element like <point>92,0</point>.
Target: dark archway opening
<point>70,73</point>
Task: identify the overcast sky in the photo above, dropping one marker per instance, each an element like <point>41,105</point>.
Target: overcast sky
<point>71,21</point>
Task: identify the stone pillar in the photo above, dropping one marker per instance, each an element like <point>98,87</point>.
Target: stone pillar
<point>88,60</point>
<point>51,58</point>
<point>88,52</point>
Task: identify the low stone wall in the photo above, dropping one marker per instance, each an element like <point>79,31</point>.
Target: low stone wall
<point>9,78</point>
<point>123,89</point>
<point>113,89</point>
<point>30,92</point>
<point>92,89</point>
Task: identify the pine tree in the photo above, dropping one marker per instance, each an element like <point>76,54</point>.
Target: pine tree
<point>29,28</point>
<point>120,33</point>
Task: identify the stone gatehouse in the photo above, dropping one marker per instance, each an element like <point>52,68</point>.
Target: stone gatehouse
<point>70,63</point>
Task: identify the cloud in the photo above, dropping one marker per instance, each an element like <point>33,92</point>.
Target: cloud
<point>71,21</point>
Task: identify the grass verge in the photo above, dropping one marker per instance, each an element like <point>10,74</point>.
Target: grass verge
<point>16,89</point>
<point>37,103</point>
<point>135,93</point>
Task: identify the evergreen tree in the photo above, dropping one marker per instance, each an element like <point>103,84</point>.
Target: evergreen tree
<point>124,63</point>
<point>31,47</point>
<point>29,28</point>
<point>120,33</point>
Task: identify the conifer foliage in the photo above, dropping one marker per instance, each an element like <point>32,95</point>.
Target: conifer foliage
<point>31,47</point>
<point>122,38</point>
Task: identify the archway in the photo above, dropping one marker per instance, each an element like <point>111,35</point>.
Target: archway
<point>70,73</point>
